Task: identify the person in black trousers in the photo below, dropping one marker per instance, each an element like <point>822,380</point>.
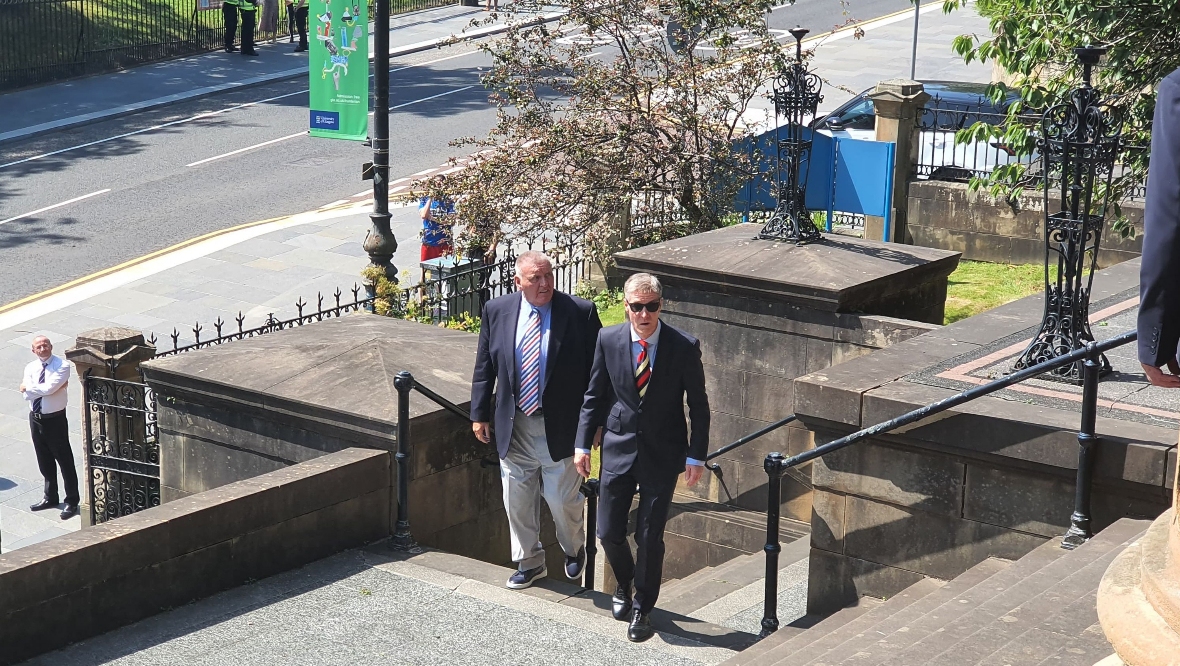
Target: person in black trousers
<point>644,372</point>
<point>301,24</point>
<point>229,12</point>
<point>44,388</point>
<point>249,9</point>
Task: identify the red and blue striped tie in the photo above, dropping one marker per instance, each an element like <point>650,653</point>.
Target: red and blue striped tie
<point>530,366</point>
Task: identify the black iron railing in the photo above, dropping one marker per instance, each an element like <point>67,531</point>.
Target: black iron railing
<point>1079,531</point>
<point>404,382</point>
<point>46,40</point>
<point>941,157</point>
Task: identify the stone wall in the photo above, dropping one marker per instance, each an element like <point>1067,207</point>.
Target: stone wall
<point>992,478</point>
<point>949,216</point>
<point>252,406</point>
<point>92,581</point>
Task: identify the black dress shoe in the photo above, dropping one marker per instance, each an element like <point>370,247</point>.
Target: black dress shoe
<point>575,565</point>
<point>70,511</point>
<point>250,53</point>
<point>640,628</point>
<point>621,602</point>
<point>232,49</point>
<point>43,505</point>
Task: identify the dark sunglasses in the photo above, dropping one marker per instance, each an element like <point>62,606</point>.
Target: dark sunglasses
<point>650,307</point>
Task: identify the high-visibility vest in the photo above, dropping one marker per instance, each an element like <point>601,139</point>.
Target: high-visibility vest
<point>246,6</point>
<point>231,3</point>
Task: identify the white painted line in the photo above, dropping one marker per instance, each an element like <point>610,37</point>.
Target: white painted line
<point>850,31</point>
<point>57,205</point>
<point>247,148</point>
<point>431,62</point>
<point>425,99</point>
<point>75,295</point>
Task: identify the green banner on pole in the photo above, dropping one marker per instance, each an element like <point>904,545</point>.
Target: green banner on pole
<point>339,71</point>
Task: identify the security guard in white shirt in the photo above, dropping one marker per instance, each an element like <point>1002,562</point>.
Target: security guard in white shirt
<point>44,387</point>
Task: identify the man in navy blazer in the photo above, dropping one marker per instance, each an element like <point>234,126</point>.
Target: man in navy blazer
<point>531,370</point>
<point>1159,274</point>
<point>644,371</point>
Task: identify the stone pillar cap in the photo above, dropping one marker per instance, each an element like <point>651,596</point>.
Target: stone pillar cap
<point>899,89</point>
<point>102,345</point>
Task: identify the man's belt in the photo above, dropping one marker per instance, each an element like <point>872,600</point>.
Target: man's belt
<point>50,416</point>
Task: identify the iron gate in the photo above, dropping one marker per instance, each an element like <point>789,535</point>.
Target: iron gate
<point>122,447</point>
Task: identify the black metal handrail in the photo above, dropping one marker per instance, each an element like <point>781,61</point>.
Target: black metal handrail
<point>402,540</point>
<point>1079,531</point>
<point>743,441</point>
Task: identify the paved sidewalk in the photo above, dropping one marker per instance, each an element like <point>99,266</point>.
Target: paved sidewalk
<point>54,106</point>
<point>265,268</point>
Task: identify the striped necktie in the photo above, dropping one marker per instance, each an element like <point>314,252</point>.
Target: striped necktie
<point>642,369</point>
<point>530,366</point>
<point>40,380</point>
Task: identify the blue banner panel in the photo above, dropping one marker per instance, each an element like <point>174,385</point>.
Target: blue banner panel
<point>862,177</point>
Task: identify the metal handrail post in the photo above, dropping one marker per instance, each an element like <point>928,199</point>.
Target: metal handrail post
<point>590,487</point>
<point>1079,523</point>
<point>402,540</point>
<point>774,473</point>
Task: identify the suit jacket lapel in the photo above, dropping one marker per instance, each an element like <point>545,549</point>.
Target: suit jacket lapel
<point>558,318</point>
<point>625,365</point>
<point>508,339</point>
<point>666,354</point>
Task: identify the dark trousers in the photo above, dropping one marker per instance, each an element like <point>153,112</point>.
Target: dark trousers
<point>301,24</point>
<point>230,14</point>
<point>291,21</point>
<point>647,566</point>
<point>51,441</point>
<point>248,20</point>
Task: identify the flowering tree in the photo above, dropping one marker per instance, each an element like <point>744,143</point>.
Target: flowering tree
<point>622,99</point>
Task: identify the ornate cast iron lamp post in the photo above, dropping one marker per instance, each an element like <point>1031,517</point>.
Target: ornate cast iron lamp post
<point>796,96</point>
<point>1079,143</point>
<point>380,243</point>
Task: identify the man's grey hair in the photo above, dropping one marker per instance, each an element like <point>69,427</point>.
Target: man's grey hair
<point>531,257</point>
<point>643,283</point>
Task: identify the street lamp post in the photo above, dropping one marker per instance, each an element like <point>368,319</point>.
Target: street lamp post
<point>1079,144</point>
<point>796,96</point>
<point>914,49</point>
<point>380,243</point>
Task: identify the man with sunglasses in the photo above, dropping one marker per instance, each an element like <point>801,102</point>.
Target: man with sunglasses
<point>531,370</point>
<point>643,372</point>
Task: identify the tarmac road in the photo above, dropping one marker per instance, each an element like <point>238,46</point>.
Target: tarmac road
<point>82,200</point>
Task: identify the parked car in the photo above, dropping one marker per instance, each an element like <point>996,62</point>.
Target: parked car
<point>953,105</point>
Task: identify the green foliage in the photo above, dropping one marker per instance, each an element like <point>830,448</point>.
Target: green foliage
<point>608,301</point>
<point>394,301</point>
<point>1033,42</point>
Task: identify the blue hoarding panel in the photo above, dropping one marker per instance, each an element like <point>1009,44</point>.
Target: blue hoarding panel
<point>862,176</point>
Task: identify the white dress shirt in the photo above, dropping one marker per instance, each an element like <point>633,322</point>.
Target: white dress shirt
<point>53,396</point>
<point>653,342</point>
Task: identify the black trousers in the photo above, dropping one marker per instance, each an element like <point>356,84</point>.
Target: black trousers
<point>51,441</point>
<point>647,566</point>
<point>230,14</point>
<point>249,18</point>
<point>301,24</point>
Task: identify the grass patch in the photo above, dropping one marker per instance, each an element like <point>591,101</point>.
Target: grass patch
<point>978,286</point>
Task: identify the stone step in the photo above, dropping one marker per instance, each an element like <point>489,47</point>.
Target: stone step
<point>800,633</point>
<point>960,617</point>
<point>1030,632</point>
<point>892,606</point>
<point>556,599</point>
<point>868,643</point>
<point>891,648</point>
<point>713,584</point>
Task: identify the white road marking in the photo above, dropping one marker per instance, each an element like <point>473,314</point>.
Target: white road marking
<point>57,205</point>
<point>199,116</point>
<point>424,99</point>
<point>247,148</point>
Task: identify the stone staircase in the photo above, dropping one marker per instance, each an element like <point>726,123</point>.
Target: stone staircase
<point>732,593</point>
<point>1037,610</point>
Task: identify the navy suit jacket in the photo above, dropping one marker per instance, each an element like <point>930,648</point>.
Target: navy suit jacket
<point>649,439</point>
<point>1159,274</point>
<point>495,384</point>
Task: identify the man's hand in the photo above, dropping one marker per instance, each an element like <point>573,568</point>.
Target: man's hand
<point>1157,377</point>
<point>483,431</point>
<point>582,464</point>
<point>22,387</point>
<point>692,474</point>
